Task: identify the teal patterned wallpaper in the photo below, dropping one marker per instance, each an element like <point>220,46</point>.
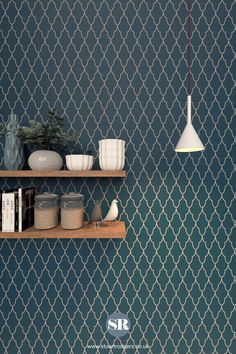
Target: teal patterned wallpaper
<point>119,69</point>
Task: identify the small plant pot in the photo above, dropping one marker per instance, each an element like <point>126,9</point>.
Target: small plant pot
<point>45,160</point>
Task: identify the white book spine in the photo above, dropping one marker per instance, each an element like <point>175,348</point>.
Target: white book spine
<point>8,212</point>
<point>12,211</point>
<point>20,209</point>
<point>4,213</point>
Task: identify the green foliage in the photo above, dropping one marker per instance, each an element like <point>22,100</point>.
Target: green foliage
<point>47,135</point>
<point>3,128</point>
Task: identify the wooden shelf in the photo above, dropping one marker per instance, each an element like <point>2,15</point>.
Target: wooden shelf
<point>62,173</point>
<point>105,230</point>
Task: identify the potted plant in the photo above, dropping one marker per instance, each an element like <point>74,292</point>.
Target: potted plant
<point>47,137</point>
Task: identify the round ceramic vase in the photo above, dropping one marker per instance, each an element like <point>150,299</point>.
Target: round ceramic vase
<point>45,160</point>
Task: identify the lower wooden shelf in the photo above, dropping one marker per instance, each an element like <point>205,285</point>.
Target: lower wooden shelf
<point>105,230</point>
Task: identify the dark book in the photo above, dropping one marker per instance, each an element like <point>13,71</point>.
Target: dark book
<point>26,198</point>
<point>16,210</point>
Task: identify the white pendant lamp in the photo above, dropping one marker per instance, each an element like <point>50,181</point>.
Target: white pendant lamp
<point>189,140</point>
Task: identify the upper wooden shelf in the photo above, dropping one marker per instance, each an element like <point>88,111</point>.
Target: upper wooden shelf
<point>62,173</point>
<point>105,230</point>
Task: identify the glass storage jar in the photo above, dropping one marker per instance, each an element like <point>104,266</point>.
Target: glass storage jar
<point>45,211</point>
<point>72,211</point>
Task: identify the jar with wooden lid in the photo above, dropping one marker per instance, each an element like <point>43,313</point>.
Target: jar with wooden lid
<point>46,211</point>
<point>72,211</point>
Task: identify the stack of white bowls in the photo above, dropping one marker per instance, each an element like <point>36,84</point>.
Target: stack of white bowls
<point>112,154</point>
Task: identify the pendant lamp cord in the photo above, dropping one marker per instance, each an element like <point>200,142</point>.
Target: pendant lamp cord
<point>189,47</point>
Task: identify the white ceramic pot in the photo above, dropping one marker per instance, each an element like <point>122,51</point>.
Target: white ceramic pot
<point>45,160</point>
<point>110,155</point>
<point>117,151</point>
<point>113,163</point>
<point>111,144</point>
<point>79,162</point>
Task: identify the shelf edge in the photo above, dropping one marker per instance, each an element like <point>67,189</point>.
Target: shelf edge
<point>62,173</point>
<point>106,231</point>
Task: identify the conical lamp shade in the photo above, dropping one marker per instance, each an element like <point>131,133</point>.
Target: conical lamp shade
<point>189,140</point>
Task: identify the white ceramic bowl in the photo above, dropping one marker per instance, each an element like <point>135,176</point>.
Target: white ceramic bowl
<point>79,162</point>
<point>111,151</point>
<point>113,163</point>
<point>110,154</point>
<point>111,143</point>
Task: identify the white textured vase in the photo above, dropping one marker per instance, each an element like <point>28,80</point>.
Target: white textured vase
<point>45,160</point>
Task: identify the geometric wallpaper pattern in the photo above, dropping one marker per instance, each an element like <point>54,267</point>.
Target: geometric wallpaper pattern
<point>119,69</point>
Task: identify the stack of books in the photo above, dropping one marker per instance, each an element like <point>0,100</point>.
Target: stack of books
<point>17,209</point>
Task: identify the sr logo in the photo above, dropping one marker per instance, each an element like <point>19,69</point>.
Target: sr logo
<point>118,324</point>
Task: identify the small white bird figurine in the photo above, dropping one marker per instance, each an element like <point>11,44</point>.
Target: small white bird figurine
<point>113,212</point>
<point>111,215</point>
